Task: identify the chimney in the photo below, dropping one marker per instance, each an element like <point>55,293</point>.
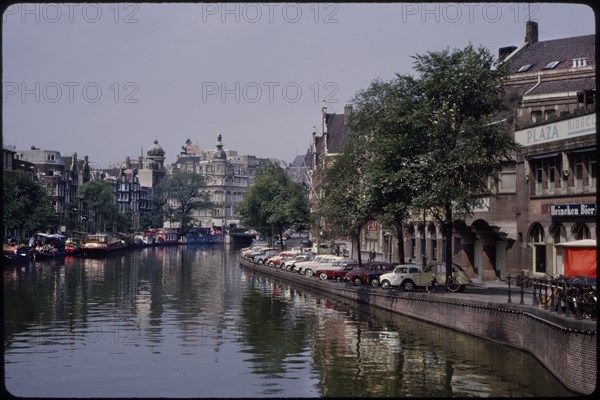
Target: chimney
<point>347,112</point>
<point>531,32</point>
<point>503,52</point>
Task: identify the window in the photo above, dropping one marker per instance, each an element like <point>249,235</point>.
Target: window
<point>547,174</point>
<point>578,173</point>
<point>553,177</point>
<point>536,116</point>
<point>593,173</point>
<point>581,231</point>
<point>539,178</point>
<point>524,68</point>
<point>549,114</point>
<point>551,64</point>
<point>508,178</point>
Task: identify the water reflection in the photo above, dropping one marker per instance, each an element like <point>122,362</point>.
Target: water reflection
<point>189,322</point>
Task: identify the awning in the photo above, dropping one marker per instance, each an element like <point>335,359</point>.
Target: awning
<point>545,155</point>
<point>578,243</point>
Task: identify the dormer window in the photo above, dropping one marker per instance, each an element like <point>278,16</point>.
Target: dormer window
<point>579,62</point>
<point>524,68</point>
<point>551,65</point>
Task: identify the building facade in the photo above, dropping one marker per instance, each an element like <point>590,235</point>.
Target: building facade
<point>227,176</point>
<point>546,194</point>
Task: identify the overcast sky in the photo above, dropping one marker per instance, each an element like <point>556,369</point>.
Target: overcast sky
<point>107,80</point>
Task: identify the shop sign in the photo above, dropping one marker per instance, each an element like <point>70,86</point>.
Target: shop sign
<point>572,127</point>
<point>573,210</point>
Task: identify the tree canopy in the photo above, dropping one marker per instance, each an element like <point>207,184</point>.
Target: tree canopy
<point>430,142</point>
<point>26,204</point>
<point>101,201</point>
<point>180,194</point>
<point>274,202</point>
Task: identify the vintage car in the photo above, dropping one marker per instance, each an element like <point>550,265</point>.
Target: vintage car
<point>276,259</point>
<point>361,275</point>
<point>336,271</point>
<point>290,265</point>
<point>412,276</point>
<point>308,268</point>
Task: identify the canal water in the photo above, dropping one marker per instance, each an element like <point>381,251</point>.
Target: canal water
<point>188,321</point>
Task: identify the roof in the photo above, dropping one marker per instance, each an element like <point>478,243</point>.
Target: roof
<point>336,130</point>
<point>539,54</point>
<point>565,85</point>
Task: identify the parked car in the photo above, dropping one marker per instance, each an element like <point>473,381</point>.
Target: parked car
<point>361,275</point>
<point>398,277</point>
<point>290,265</point>
<point>337,270</point>
<point>258,257</point>
<point>275,260</point>
<point>433,272</point>
<point>308,268</point>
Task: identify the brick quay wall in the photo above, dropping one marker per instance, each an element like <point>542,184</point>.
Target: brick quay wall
<point>564,345</point>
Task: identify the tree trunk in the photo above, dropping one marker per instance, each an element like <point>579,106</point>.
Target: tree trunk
<point>448,228</point>
<point>400,236</point>
<point>357,238</point>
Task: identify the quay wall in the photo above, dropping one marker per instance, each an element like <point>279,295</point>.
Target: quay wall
<point>564,345</point>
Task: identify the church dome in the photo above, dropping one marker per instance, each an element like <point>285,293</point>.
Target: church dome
<point>156,150</point>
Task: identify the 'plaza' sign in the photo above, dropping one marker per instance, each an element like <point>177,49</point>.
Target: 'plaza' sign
<point>573,210</point>
<point>568,128</point>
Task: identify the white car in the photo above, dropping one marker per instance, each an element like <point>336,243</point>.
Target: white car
<point>289,265</point>
<point>398,277</point>
<point>308,268</point>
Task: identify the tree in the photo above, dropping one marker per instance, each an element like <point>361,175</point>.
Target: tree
<point>101,201</point>
<point>26,204</point>
<point>346,204</point>
<point>388,117</point>
<point>274,203</point>
<point>461,146</point>
<point>180,195</point>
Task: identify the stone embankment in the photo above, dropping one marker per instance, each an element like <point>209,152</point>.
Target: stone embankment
<point>565,345</point>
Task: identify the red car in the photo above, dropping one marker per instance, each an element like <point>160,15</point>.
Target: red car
<point>368,272</point>
<point>336,273</point>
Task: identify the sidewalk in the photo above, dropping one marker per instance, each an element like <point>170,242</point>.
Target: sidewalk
<point>494,292</point>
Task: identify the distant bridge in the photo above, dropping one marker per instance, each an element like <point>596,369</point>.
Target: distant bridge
<point>239,237</point>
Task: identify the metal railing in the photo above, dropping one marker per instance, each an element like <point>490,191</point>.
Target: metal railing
<point>575,297</point>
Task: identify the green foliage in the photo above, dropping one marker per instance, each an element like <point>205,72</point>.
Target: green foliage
<point>100,199</point>
<point>274,202</point>
<point>430,141</point>
<point>26,204</point>
<point>347,200</point>
<point>180,194</point>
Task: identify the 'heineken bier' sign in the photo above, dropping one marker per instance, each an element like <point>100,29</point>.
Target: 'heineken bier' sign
<point>573,210</point>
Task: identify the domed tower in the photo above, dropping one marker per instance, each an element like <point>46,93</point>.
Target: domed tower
<point>219,153</point>
<point>156,154</point>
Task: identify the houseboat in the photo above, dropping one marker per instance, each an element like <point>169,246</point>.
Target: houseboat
<point>101,244</point>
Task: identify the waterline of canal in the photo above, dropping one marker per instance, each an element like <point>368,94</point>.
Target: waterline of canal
<point>187,321</point>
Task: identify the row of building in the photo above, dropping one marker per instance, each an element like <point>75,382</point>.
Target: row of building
<point>545,196</point>
<point>227,175</point>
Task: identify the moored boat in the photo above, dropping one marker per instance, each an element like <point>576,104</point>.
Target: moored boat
<point>101,244</point>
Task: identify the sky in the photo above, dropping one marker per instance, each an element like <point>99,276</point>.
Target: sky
<point>106,80</point>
